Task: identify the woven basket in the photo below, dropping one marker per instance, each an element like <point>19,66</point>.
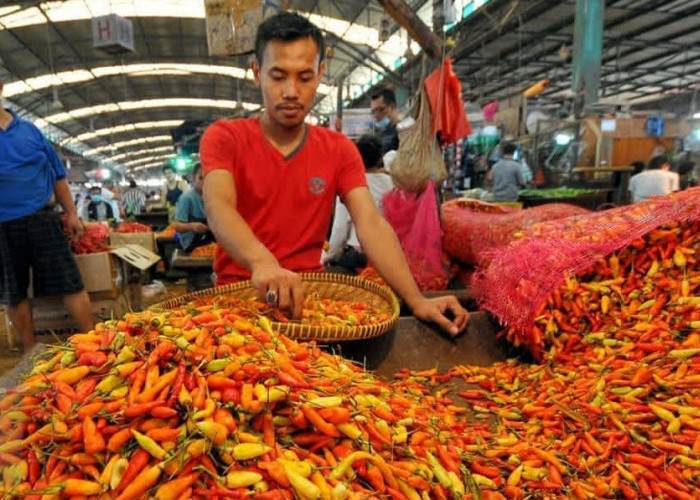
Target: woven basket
<point>326,286</point>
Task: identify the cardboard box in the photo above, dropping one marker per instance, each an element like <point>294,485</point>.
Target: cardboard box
<point>99,272</point>
<point>50,315</point>
<point>136,255</point>
<point>145,240</point>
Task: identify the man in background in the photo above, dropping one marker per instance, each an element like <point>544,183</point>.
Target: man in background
<point>97,209</point>
<point>133,200</point>
<point>32,185</point>
<point>190,218</point>
<point>383,109</point>
<point>507,176</point>
<point>656,180</point>
<point>344,246</point>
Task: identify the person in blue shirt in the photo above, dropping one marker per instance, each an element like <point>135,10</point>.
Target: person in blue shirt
<point>32,184</point>
<point>190,218</point>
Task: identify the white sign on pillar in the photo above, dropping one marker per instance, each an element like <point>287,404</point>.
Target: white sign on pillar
<point>113,34</point>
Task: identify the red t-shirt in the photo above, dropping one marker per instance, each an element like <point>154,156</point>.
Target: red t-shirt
<point>287,202</point>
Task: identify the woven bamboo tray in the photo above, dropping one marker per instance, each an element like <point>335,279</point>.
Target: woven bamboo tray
<point>326,286</point>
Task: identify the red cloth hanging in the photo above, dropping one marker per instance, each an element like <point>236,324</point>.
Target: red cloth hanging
<point>450,119</point>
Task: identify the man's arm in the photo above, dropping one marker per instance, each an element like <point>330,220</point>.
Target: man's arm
<point>63,196</point>
<point>383,249</point>
<point>182,224</point>
<point>240,243</point>
<point>185,227</point>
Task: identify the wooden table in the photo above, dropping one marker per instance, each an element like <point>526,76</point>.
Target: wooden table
<point>421,346</point>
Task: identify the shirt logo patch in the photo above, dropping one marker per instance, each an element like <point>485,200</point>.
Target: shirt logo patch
<point>317,185</point>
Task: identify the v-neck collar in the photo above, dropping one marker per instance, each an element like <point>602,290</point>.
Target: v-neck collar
<point>292,153</point>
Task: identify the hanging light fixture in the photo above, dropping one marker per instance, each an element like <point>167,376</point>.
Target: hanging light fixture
<point>56,103</point>
<point>384,29</point>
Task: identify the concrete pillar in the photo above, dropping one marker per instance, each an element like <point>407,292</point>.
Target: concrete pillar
<point>588,51</point>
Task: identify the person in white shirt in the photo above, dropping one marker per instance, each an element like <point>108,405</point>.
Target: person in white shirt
<point>344,247</point>
<point>656,180</point>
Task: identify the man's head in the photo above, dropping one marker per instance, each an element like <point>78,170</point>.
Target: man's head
<point>370,148</point>
<point>198,179</point>
<point>288,68</point>
<point>96,194</point>
<point>509,149</point>
<point>383,107</point>
<point>659,162</point>
<point>132,183</point>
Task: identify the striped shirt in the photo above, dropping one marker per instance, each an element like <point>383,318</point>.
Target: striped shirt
<point>133,200</point>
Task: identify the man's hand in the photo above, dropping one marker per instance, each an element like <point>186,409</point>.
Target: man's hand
<point>75,226</point>
<point>436,310</point>
<point>199,227</point>
<point>285,284</point>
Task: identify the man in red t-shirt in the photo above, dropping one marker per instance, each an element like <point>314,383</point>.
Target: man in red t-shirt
<point>270,183</point>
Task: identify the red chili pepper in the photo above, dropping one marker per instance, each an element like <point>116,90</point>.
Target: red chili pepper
<point>141,409</point>
<point>138,462</point>
<point>177,384</point>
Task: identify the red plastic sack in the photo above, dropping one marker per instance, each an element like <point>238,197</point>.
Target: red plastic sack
<point>473,227</point>
<point>417,225</point>
<point>445,95</point>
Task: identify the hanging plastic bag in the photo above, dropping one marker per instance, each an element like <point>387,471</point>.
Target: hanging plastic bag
<point>417,224</point>
<point>418,158</point>
<point>445,95</point>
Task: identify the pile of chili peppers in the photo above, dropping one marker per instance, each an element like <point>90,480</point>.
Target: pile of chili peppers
<point>207,402</point>
<point>204,252</point>
<point>315,312</point>
<point>93,240</point>
<point>614,410</point>
<point>134,227</point>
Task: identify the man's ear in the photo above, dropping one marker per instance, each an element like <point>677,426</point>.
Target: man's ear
<point>256,71</point>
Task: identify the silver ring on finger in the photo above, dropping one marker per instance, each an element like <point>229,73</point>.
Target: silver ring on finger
<point>271,298</point>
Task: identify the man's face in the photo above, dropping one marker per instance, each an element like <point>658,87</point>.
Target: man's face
<point>169,175</point>
<point>288,78</point>
<point>380,109</point>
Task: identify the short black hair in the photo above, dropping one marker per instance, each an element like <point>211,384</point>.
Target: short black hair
<point>509,148</point>
<point>287,27</point>
<point>95,188</point>
<point>637,166</point>
<point>657,162</point>
<point>388,95</point>
<point>685,167</point>
<point>132,183</point>
<point>167,166</point>
<point>370,148</point>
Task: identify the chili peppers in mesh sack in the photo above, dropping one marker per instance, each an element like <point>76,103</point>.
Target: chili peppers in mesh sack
<point>472,228</point>
<point>520,278</point>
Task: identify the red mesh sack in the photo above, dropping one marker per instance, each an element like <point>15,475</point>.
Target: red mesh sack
<point>471,228</point>
<point>417,225</point>
<point>518,280</point>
